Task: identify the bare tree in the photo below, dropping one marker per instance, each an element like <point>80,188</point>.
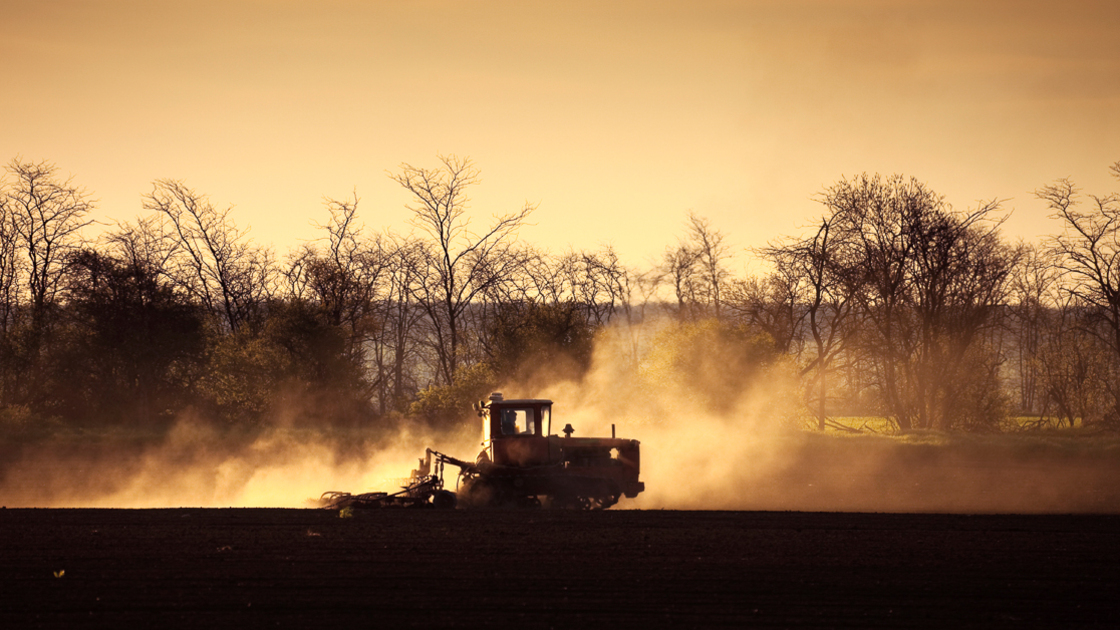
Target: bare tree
<point>602,286</point>
<point>214,260</point>
<point>828,302</point>
<point>593,282</point>
<point>296,274</point>
<point>547,311</point>
<point>46,216</point>
<point>773,304</point>
<point>679,267</point>
<point>348,279</point>
<point>397,349</point>
<point>695,268</point>
<point>146,244</point>
<point>344,279</point>
<point>1088,251</point>
<point>1033,301</point>
<point>459,265</point>
<point>11,278</point>
<point>363,284</point>
<point>711,252</point>
<point>11,267</point>
<point>927,281</point>
<point>1073,366</point>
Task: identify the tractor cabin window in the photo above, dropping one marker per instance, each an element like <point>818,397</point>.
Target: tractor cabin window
<point>518,422</point>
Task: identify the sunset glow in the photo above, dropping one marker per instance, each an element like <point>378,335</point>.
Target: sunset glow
<point>616,118</point>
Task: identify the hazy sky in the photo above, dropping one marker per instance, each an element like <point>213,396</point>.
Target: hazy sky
<point>616,117</point>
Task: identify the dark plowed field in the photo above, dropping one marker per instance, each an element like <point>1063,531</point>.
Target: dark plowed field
<point>239,568</point>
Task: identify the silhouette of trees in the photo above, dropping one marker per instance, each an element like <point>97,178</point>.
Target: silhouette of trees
<point>360,285</point>
<point>927,282</point>
<point>10,267</point>
<point>46,217</point>
<point>892,303</point>
<point>539,339</point>
<point>1034,310</point>
<point>695,268</point>
<point>825,299</point>
<point>345,280</point>
<point>42,219</point>
<point>398,347</point>
<point>211,258</point>
<point>11,270</point>
<point>457,266</point>
<point>1088,256</point>
<point>772,304</point>
<point>131,340</point>
<point>1071,366</point>
<point>600,284</point>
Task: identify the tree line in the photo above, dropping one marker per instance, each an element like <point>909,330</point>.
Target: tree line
<point>894,304</point>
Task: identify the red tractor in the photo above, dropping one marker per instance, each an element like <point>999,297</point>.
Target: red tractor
<point>522,464</point>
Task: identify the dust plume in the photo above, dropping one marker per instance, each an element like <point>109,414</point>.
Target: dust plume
<point>198,466</point>
<point>717,414</point>
<point>719,432</point>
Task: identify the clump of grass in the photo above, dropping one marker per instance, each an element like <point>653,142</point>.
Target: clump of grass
<point>346,512</point>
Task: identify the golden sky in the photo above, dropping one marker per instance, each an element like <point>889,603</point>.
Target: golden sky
<point>616,117</point>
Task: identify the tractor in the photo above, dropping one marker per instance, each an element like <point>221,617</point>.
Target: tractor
<point>522,464</point>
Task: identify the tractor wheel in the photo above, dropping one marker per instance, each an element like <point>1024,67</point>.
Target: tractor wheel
<point>602,502</point>
<point>444,500</point>
<point>605,495</point>
<point>481,493</point>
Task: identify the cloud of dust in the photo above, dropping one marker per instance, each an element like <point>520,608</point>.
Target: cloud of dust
<point>719,430</point>
<point>198,466</point>
<point>693,456</point>
<point>707,446</point>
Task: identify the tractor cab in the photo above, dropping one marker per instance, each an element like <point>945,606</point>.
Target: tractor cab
<point>515,432</point>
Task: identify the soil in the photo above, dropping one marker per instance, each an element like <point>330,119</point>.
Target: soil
<point>227,568</point>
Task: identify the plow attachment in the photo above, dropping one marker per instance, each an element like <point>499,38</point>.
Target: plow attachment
<point>425,489</point>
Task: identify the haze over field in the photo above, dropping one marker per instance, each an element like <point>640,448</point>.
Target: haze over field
<point>616,117</point>
<point>752,456</point>
<point>681,135</point>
